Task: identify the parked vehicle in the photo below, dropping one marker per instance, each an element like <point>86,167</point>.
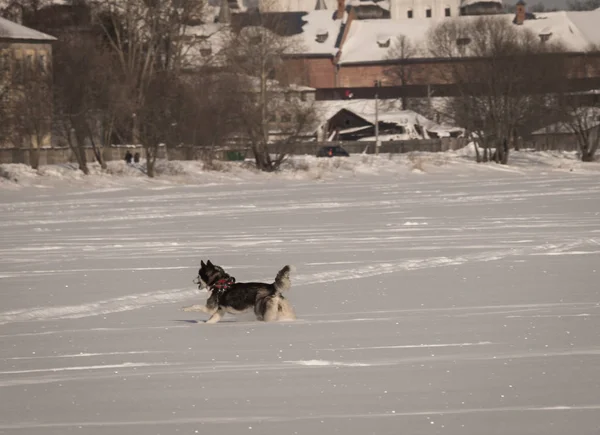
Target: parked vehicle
<point>332,151</point>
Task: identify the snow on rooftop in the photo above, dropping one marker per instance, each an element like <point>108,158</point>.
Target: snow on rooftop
<point>362,45</point>
<point>464,3</point>
<point>388,112</point>
<point>319,23</point>
<point>204,43</point>
<point>577,30</point>
<point>588,24</point>
<point>11,30</point>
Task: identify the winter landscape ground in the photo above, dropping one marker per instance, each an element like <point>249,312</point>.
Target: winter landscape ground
<point>434,296</point>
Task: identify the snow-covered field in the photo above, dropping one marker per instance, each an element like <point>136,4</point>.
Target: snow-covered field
<point>434,295</point>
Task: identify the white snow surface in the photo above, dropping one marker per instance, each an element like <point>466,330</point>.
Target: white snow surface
<point>434,296</point>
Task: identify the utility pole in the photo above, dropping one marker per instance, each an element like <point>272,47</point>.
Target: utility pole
<point>377,142</point>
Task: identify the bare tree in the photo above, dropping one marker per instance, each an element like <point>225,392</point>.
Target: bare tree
<point>146,38</point>
<point>5,68</point>
<point>209,111</point>
<point>31,105</point>
<point>584,123</point>
<point>503,74</point>
<point>583,5</point>
<point>272,117</point>
<point>401,52</point>
<point>581,110</point>
<point>88,94</point>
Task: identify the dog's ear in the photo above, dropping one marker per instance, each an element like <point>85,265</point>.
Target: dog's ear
<point>209,264</point>
<point>202,265</point>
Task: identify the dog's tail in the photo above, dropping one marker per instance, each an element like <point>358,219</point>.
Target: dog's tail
<point>282,280</point>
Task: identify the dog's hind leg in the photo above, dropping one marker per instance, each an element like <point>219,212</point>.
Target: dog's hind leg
<point>271,309</point>
<point>285,310</point>
<point>217,315</point>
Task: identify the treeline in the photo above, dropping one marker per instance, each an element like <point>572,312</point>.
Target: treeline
<point>139,71</point>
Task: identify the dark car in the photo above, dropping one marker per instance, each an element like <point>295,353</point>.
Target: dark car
<point>332,151</point>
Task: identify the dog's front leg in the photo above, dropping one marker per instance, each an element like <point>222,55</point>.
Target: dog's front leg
<point>216,316</point>
<point>201,308</point>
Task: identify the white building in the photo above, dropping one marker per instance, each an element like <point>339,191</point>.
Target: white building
<point>399,9</point>
<point>407,9</point>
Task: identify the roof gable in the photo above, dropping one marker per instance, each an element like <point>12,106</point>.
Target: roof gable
<point>11,30</point>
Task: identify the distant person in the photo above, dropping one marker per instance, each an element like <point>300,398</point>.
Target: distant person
<point>128,157</point>
<point>136,157</point>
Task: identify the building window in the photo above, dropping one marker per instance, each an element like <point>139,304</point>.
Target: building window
<point>447,12</point>
<point>42,62</point>
<point>322,36</point>
<point>383,41</point>
<point>428,12</point>
<point>4,63</point>
<point>409,13</point>
<point>205,50</point>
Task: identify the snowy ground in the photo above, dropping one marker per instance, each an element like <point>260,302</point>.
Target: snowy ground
<point>434,296</point>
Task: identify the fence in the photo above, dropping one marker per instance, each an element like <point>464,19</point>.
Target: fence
<point>49,156</point>
<point>58,155</point>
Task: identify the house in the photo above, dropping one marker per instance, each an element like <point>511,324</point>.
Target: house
<point>563,135</point>
<point>22,51</point>
<point>356,119</point>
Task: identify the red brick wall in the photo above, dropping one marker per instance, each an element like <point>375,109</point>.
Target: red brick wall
<point>418,73</point>
<point>314,72</point>
<point>320,72</point>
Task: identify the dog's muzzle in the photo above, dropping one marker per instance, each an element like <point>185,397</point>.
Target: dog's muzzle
<point>201,284</point>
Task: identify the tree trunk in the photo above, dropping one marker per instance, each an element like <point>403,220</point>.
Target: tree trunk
<point>477,155</point>
<point>504,157</point>
<point>97,153</point>
<point>34,158</point>
<point>76,140</point>
<point>151,161</point>
<point>586,156</point>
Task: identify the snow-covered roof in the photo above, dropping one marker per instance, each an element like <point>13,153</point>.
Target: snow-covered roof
<point>11,30</point>
<point>587,23</point>
<point>295,5</point>
<point>577,31</point>
<point>388,112</point>
<point>465,3</point>
<point>319,34</point>
<point>362,45</point>
<point>204,43</point>
<point>383,4</point>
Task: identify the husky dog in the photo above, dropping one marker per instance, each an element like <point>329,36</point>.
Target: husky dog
<point>228,296</point>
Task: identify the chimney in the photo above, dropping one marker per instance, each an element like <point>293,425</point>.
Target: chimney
<point>224,12</point>
<point>341,6</point>
<point>320,6</point>
<point>520,14</point>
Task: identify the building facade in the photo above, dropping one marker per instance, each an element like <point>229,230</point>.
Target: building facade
<point>25,54</point>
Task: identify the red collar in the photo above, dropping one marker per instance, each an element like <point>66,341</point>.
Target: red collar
<point>223,284</point>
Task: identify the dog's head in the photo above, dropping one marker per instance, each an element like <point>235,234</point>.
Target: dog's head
<point>208,274</point>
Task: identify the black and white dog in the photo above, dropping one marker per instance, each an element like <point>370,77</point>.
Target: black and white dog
<point>228,296</point>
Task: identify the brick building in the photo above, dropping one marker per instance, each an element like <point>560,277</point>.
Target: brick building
<point>341,50</point>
